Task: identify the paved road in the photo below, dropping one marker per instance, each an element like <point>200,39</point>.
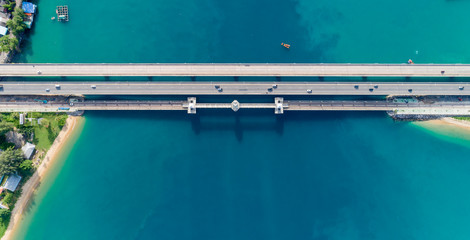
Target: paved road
<point>247,69</point>
<point>233,88</point>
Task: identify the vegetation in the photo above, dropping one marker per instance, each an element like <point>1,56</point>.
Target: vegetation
<point>5,213</point>
<point>9,6</point>
<point>4,144</point>
<point>25,167</point>
<point>41,134</point>
<point>10,160</point>
<point>8,199</point>
<point>4,220</point>
<point>5,127</point>
<point>45,134</point>
<point>16,25</point>
<point>8,44</point>
<point>463,118</point>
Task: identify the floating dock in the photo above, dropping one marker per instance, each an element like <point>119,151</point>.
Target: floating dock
<point>62,13</point>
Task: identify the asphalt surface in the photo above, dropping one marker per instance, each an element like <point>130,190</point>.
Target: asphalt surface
<point>241,69</point>
<point>233,88</point>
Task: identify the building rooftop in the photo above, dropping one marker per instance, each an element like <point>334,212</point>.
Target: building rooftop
<point>29,7</point>
<point>3,30</point>
<point>28,150</point>
<point>12,182</point>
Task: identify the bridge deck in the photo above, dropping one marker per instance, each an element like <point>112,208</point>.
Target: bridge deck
<point>341,70</point>
<point>439,108</point>
<point>233,88</point>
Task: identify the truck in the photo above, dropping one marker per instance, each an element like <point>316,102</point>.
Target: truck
<point>64,108</point>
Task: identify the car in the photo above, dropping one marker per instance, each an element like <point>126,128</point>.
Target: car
<point>93,86</point>
<point>220,90</point>
<point>48,90</point>
<point>376,86</point>
<point>371,89</point>
<point>217,86</point>
<point>270,89</point>
<point>309,90</point>
<point>356,86</point>
<point>274,86</point>
<point>461,87</point>
<point>57,86</point>
<point>410,90</point>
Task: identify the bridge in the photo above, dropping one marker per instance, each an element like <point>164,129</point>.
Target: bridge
<point>234,88</point>
<point>449,107</point>
<point>246,69</point>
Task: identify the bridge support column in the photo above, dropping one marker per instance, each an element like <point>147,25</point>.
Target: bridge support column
<point>191,105</point>
<point>279,102</point>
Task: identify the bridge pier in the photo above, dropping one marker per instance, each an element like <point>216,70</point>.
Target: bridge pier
<point>279,102</point>
<point>191,105</point>
<point>235,105</point>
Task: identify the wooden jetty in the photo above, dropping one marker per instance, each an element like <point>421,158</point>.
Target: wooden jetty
<point>62,13</point>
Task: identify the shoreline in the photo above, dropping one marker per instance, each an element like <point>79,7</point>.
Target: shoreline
<point>446,122</point>
<point>456,122</point>
<point>30,187</point>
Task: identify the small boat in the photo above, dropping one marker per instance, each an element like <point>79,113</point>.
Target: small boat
<point>52,18</point>
<point>410,61</point>
<point>285,45</point>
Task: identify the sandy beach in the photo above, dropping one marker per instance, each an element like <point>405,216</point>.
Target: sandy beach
<point>460,123</point>
<point>31,185</point>
<point>448,122</point>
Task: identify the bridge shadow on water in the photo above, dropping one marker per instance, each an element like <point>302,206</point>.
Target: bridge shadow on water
<point>239,123</point>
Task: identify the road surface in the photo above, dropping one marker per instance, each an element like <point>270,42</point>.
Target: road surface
<point>233,88</point>
<point>244,69</point>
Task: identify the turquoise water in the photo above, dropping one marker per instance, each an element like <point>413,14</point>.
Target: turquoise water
<point>253,175</point>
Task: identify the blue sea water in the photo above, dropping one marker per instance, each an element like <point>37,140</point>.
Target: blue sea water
<point>253,175</point>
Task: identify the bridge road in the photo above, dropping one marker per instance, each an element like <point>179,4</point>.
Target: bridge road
<point>242,69</point>
<point>233,88</point>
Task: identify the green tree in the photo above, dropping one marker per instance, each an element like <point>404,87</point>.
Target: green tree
<point>5,213</point>
<point>8,199</point>
<point>26,166</point>
<point>9,6</point>
<point>10,160</point>
<point>61,120</point>
<point>16,25</point>
<point>8,44</point>
<point>5,127</point>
